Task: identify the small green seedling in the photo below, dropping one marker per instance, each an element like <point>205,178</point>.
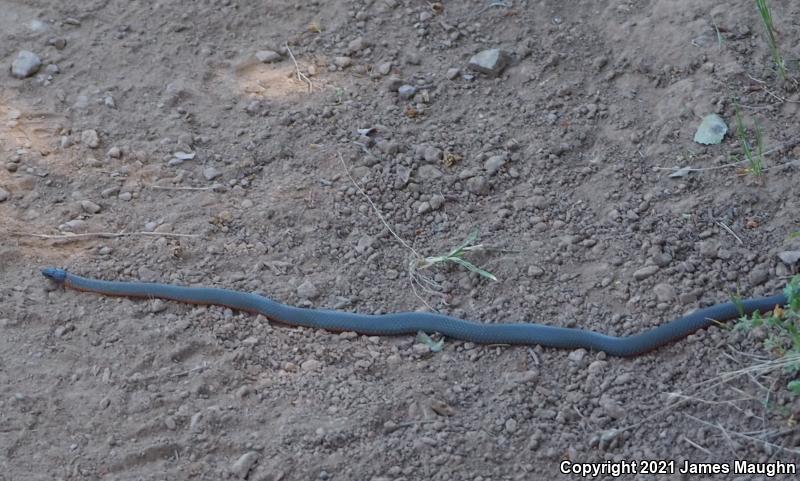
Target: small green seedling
<point>755,159</point>
<point>457,256</point>
<point>769,32</point>
<point>783,328</point>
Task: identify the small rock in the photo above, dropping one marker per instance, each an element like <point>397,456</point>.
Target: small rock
<point>423,208</point>
<point>158,306</point>
<point>76,226</point>
<point>664,292</point>
<point>115,152</point>
<point>384,68</point>
<point>26,64</point>
<point>535,271</point>
<point>268,56</point>
<point>210,173</point>
<point>356,45</point>
<point>428,172</point>
<point>431,154</point>
<point>436,202</point>
<point>126,196</point>
<point>52,69</point>
<point>494,164</point>
<point>662,259</point>
<point>307,290</point>
<point>645,272</point>
<point>758,276</point>
<point>478,185</point>
<point>90,207</point>
<point>109,102</point>
<point>58,42</point>
<point>406,91</point>
<point>310,365</point>
<point>90,138</point>
<point>244,464</point>
<point>491,62</point>
<point>612,408</point>
<point>342,61</point>
<point>787,257</point>
<point>452,73</point>
<point>511,425</point>
<point>4,194</point>
<point>577,356</point>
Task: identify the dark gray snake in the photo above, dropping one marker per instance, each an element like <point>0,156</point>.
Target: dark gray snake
<point>413,322</point>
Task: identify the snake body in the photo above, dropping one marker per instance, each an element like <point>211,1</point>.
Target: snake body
<point>413,322</point>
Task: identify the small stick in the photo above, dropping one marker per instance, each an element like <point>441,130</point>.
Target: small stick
<point>167,187</point>
<point>300,76</point>
<point>89,235</point>
<point>730,231</point>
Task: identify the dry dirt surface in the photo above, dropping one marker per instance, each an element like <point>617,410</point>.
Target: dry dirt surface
<point>217,136</point>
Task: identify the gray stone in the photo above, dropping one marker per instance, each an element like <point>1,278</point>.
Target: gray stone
<point>428,172</point>
<point>452,73</point>
<point>115,152</point>
<point>244,464</point>
<point>4,194</point>
<point>406,91</point>
<point>432,154</point>
<point>758,276</point>
<point>662,259</point>
<point>494,163</point>
<point>577,356</point>
<point>90,207</point>
<point>384,68</point>
<point>26,64</point>
<point>478,185</point>
<point>310,365</point>
<point>90,138</point>
<point>789,257</point>
<point>268,56</point>
<point>437,201</point>
<point>307,290</point>
<point>210,173</point>
<point>664,292</point>
<point>645,272</point>
<point>491,62</point>
<point>58,42</point>
<point>342,61</point>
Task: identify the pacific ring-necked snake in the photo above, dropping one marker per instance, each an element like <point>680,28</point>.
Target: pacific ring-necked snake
<point>413,322</point>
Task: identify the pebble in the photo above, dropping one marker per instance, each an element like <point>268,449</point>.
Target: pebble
<point>758,276</point>
<point>75,225</point>
<point>4,194</point>
<point>157,306</point>
<point>662,259</point>
<point>90,207</point>
<point>126,196</point>
<point>58,42</point>
<point>310,365</point>
<point>210,173</point>
<point>384,68</point>
<point>307,290</point>
<point>268,56</point>
<point>612,408</point>
<point>356,45</point>
<point>436,202</point>
<point>428,172</point>
<point>431,154</point>
<point>26,64</point>
<point>244,464</point>
<point>478,185</point>
<point>511,425</point>
<point>577,356</point>
<point>452,73</point>
<point>491,62</point>
<point>494,163</point>
<point>342,61</point>
<point>787,257</point>
<point>90,138</point>
<point>645,272</point>
<point>664,292</point>
<point>115,152</point>
<point>406,91</point>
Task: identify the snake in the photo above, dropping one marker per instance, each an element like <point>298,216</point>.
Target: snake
<point>404,323</point>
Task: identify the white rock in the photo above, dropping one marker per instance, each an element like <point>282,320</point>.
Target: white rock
<point>268,56</point>
<point>90,138</point>
<point>26,64</point>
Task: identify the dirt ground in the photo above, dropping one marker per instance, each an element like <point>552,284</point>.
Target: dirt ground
<point>185,124</point>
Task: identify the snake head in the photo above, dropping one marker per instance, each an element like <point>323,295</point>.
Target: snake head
<point>55,274</point>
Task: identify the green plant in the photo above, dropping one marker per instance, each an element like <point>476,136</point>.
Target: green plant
<point>755,159</point>
<point>769,32</point>
<point>783,331</point>
<point>456,256</point>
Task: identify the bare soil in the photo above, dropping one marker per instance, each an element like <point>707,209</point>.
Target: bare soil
<point>561,162</point>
